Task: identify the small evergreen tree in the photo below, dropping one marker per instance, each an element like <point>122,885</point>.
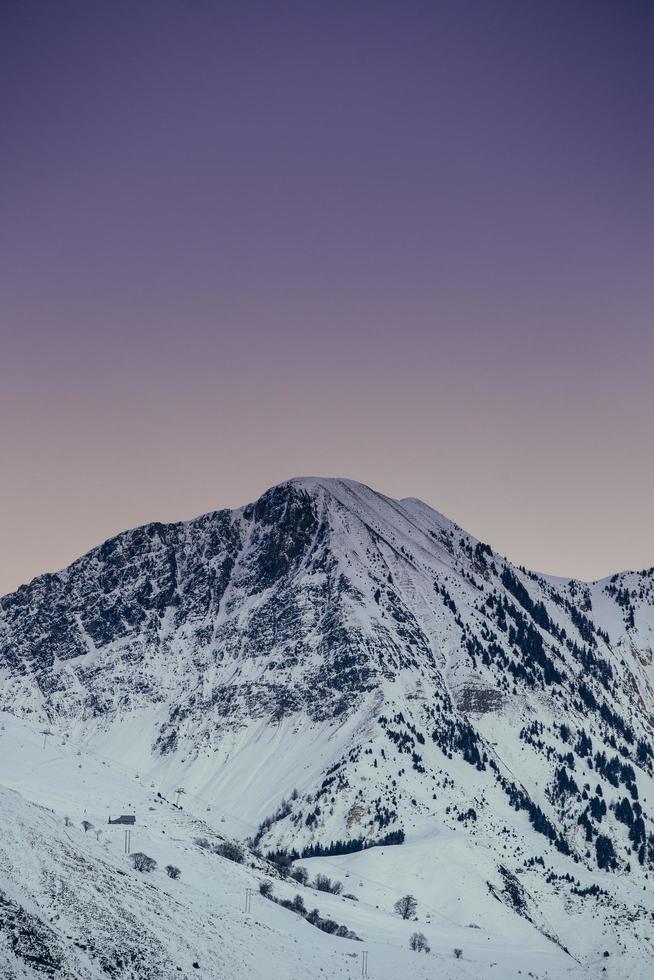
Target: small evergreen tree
<point>605,853</point>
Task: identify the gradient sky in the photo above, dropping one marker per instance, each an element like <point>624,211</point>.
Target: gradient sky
<point>411,243</point>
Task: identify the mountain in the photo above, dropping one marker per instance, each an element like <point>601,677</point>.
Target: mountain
<point>329,669</point>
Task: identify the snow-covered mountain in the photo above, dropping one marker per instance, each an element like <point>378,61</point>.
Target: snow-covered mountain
<point>328,669</point>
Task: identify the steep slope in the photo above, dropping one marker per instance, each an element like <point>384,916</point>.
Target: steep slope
<point>328,668</point>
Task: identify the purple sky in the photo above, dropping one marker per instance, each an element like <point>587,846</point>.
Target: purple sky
<point>411,243</point>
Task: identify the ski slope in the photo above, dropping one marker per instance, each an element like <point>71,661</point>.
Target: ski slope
<point>88,911</point>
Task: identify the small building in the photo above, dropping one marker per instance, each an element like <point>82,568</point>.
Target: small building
<point>124,819</point>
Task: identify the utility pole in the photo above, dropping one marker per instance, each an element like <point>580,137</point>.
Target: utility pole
<point>128,841</point>
<point>364,963</point>
<point>248,899</point>
<point>45,734</point>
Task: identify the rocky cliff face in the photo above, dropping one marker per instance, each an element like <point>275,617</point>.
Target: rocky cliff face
<point>439,684</point>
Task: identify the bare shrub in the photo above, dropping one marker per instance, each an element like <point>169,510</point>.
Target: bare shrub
<point>406,906</point>
<point>301,875</point>
<point>324,884</point>
<point>418,943</point>
<point>232,851</point>
<point>142,862</point>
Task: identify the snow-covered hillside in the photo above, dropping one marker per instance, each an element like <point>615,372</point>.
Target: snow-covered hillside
<point>72,905</point>
<point>328,673</point>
